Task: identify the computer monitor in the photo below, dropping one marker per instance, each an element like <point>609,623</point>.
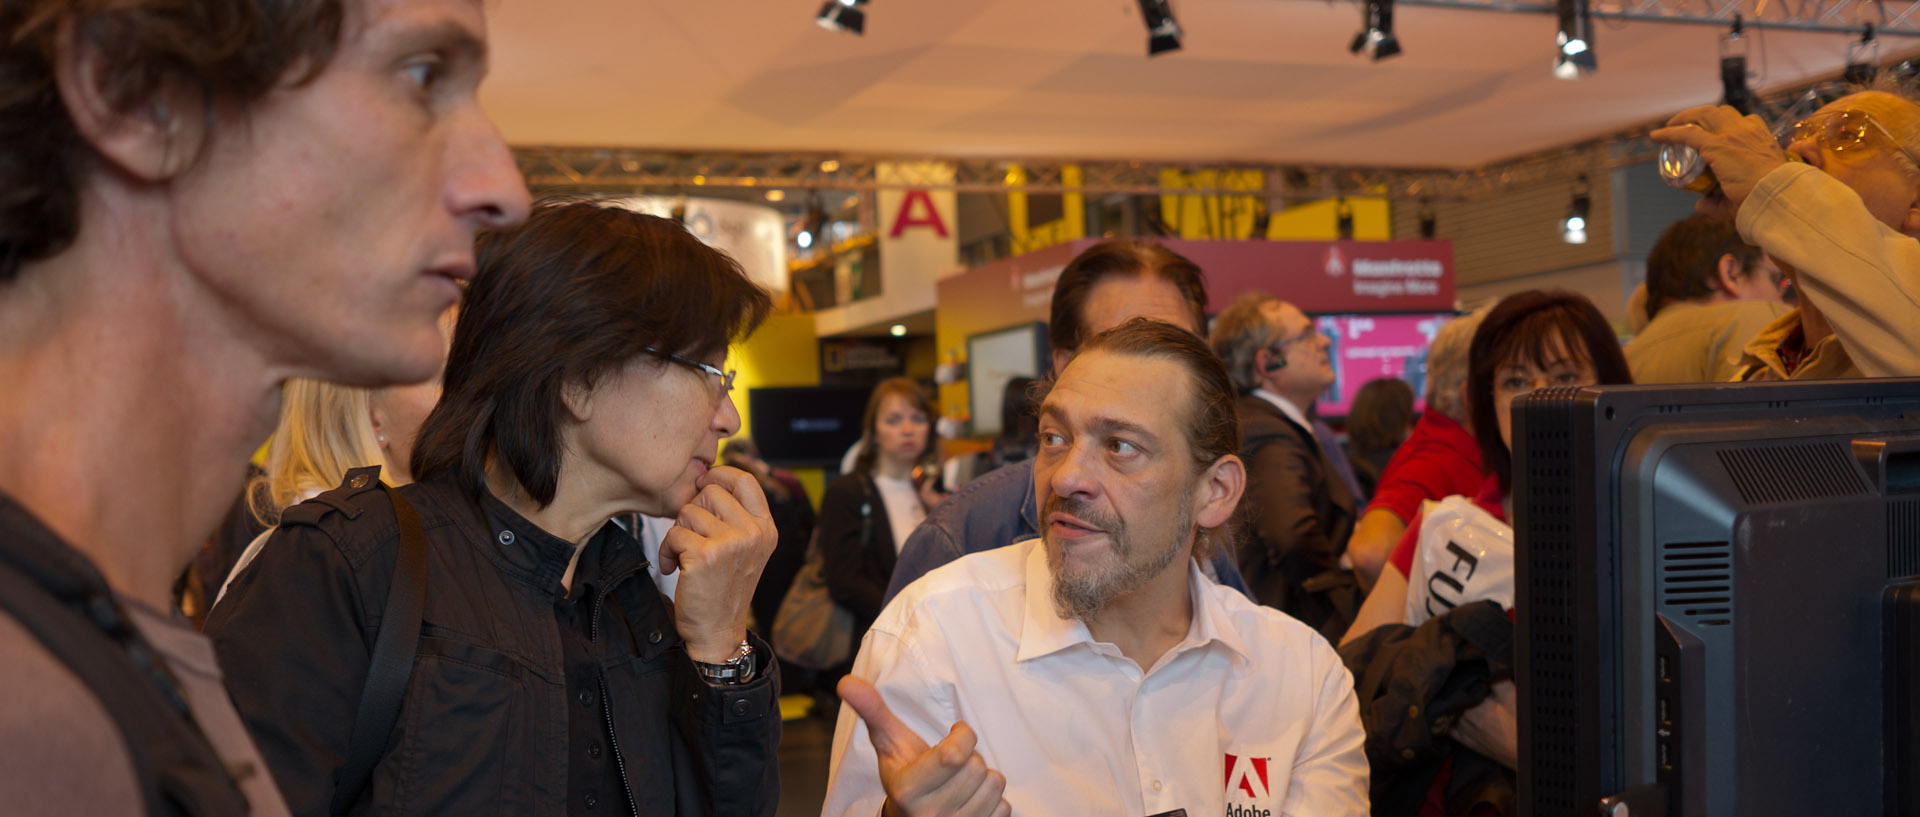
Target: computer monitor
<point>1375,345</point>
<point>1715,598</point>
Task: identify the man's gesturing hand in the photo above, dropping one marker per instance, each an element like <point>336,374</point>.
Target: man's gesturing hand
<point>1740,150</point>
<point>948,780</point>
<point>719,543</point>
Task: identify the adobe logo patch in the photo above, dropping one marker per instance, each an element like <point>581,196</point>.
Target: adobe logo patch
<point>1248,774</point>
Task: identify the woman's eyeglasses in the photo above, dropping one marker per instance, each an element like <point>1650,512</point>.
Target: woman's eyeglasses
<point>726,376</point>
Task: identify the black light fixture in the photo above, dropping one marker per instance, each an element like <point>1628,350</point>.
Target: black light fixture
<point>843,15</point>
<point>1343,218</point>
<point>1427,220</point>
<point>1574,59</point>
<point>1573,228</point>
<point>1163,32</point>
<point>1376,31</point>
<point>1863,59</point>
<point>1734,92</point>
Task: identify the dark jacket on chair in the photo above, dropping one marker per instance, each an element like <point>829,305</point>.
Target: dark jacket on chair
<point>1297,513</point>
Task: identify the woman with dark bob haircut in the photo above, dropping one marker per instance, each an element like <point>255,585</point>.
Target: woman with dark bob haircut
<point>1529,340</point>
<point>550,677</point>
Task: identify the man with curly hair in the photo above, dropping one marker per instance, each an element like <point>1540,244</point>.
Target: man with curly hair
<point>197,201</point>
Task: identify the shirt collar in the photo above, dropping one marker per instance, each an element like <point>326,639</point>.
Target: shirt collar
<point>542,558</point>
<point>1043,632</point>
<point>1286,407</point>
<point>1027,512</point>
<point>1827,358</point>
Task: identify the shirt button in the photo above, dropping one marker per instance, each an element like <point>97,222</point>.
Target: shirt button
<point>1413,711</point>
<point>585,697</point>
<point>593,749</point>
<point>1157,786</point>
<point>742,707</point>
<point>653,637</point>
<point>506,537</point>
<point>590,800</point>
<point>1408,753</point>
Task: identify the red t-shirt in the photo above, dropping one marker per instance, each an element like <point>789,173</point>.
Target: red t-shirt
<point>1439,459</point>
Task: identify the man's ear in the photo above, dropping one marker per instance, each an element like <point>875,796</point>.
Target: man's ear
<point>1727,274</point>
<point>1911,223</point>
<point>1219,491</point>
<point>151,139</point>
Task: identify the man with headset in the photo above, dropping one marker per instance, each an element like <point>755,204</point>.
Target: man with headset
<point>1299,512</point>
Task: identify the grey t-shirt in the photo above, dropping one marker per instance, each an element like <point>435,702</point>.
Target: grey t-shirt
<point>59,752</point>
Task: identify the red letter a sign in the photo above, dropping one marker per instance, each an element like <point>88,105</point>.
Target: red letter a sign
<point>906,218</point>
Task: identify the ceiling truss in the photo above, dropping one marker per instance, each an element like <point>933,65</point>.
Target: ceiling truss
<point>1888,17</point>
<point>601,170</point>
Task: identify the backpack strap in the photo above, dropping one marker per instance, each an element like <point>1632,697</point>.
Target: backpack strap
<point>394,649</point>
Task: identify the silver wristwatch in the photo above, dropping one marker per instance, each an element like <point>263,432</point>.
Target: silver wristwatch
<point>738,670</point>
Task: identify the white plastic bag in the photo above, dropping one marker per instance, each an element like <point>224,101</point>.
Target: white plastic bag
<point>1463,555</point>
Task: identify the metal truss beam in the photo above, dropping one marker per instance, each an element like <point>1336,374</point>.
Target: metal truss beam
<point>626,170</point>
<point>1893,18</point>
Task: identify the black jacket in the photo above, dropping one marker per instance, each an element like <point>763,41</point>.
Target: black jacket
<point>484,725</point>
<point>1413,682</point>
<point>1298,509</point>
<point>856,548</point>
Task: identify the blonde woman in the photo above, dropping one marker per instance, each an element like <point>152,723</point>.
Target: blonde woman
<point>326,430</point>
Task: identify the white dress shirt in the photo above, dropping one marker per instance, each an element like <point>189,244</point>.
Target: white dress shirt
<point>1287,408</point>
<point>1251,714</point>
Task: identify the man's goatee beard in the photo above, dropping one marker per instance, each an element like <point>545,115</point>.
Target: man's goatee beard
<point>1086,595</point>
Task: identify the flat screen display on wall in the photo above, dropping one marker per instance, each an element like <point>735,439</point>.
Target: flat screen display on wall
<point>1371,346</point>
<point>806,426</point>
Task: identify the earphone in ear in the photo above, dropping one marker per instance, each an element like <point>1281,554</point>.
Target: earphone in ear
<point>1276,360</point>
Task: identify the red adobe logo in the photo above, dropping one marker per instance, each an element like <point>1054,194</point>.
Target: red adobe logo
<point>1248,774</point>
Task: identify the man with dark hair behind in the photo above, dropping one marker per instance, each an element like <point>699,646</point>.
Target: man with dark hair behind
<point>1096,669</point>
<point>197,201</point>
<point>1104,285</point>
<point>1708,293</point>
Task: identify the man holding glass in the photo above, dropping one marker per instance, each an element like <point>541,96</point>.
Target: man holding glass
<point>1842,225</point>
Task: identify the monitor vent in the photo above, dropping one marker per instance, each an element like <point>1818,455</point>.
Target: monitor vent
<point>1903,538</point>
<point>1553,614</point>
<point>1793,473</point>
<point>1696,581</point>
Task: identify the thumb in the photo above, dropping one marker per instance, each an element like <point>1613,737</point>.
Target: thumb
<point>891,737</point>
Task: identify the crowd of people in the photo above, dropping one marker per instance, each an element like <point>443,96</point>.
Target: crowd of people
<point>494,563</point>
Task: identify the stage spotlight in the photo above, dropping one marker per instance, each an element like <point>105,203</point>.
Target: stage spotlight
<point>1427,220</point>
<point>1863,59</point>
<point>1343,218</point>
<point>1573,228</point>
<point>1163,32</point>
<point>1376,30</point>
<point>1575,56</point>
<point>843,15</point>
